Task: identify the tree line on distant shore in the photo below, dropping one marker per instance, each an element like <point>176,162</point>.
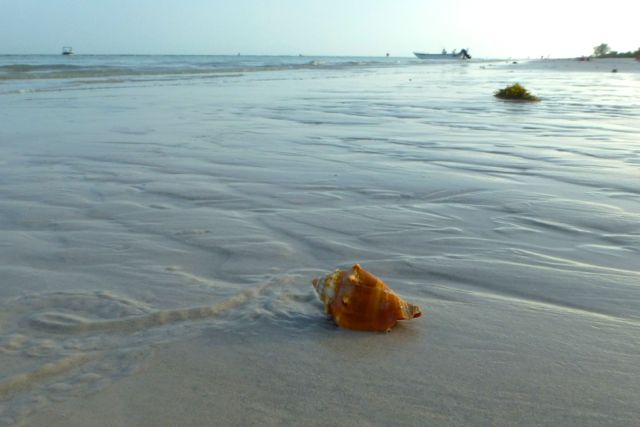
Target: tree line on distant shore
<point>604,51</point>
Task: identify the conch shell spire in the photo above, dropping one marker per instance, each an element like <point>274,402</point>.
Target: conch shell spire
<point>357,299</point>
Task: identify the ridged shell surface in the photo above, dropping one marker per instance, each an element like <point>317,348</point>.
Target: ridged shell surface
<point>357,299</point>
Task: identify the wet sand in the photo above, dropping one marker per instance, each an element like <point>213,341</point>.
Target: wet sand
<point>159,239</point>
<point>473,362</point>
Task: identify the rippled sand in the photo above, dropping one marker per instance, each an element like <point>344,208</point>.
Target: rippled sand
<point>159,239</point>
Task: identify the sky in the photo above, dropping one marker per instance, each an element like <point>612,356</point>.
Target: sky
<point>489,28</point>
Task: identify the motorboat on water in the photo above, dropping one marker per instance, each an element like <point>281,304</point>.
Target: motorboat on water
<point>463,54</point>
<point>67,50</point>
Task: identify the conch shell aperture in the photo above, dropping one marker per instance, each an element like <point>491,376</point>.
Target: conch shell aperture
<point>359,300</point>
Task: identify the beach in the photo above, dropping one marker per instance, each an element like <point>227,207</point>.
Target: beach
<point>161,229</point>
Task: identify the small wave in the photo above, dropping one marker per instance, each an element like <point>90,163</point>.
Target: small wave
<point>145,66</point>
<point>25,68</point>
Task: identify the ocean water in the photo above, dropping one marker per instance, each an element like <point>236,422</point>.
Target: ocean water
<point>149,200</point>
<point>55,72</point>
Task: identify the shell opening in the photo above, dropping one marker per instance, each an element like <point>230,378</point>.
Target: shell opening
<point>415,311</point>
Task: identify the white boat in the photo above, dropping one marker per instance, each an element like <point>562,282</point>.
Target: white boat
<point>463,54</point>
<point>67,50</point>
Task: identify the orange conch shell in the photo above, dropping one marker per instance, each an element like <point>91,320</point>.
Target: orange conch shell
<point>359,300</point>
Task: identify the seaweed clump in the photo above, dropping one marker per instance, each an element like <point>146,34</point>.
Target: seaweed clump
<point>516,92</point>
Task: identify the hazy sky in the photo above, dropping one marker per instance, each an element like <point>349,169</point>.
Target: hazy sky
<point>490,28</point>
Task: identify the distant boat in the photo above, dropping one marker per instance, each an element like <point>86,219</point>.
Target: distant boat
<point>463,54</point>
<point>67,50</point>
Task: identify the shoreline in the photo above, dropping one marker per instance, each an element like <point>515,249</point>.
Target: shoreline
<point>132,211</point>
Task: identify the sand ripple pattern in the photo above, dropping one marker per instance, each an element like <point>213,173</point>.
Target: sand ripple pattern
<point>145,211</point>
<point>66,343</point>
